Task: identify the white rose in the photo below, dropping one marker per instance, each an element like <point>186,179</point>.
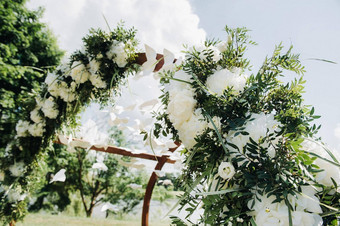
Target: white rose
<point>181,107</point>
<point>226,170</point>
<point>79,72</point>
<point>224,79</point>
<point>22,128</point>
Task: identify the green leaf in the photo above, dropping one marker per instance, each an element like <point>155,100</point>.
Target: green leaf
<point>216,192</point>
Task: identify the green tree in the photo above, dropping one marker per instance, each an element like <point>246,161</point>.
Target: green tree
<point>27,50</point>
<point>95,186</point>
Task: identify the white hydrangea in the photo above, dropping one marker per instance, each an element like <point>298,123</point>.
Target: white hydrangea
<point>191,128</point>
<point>17,169</point>
<point>50,108</point>
<point>35,116</point>
<point>37,129</point>
<point>224,79</point>
<point>79,72</point>
<point>22,128</point>
<point>118,54</point>
<point>97,81</point>
<point>329,170</point>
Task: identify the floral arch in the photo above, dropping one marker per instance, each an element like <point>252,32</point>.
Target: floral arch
<point>250,152</point>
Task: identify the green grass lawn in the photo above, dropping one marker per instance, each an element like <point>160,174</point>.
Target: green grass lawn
<point>63,220</point>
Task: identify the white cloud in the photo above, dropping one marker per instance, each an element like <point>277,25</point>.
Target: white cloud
<point>160,24</point>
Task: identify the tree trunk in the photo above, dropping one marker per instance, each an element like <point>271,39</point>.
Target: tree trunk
<point>89,212</point>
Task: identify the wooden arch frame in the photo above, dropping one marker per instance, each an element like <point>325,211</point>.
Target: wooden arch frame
<point>161,160</point>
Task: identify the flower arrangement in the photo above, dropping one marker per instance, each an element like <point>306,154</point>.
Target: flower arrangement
<point>251,156</point>
<point>92,74</point>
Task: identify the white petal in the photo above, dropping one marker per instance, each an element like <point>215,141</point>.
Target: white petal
<point>149,103</point>
<point>169,57</point>
<point>59,176</point>
<point>99,165</point>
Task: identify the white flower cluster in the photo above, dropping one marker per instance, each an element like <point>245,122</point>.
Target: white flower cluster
<point>216,51</point>
<point>181,109</point>
<point>24,128</point>
<point>223,79</point>
<point>118,53</point>
<point>58,88</point>
<point>306,209</point>
<point>259,127</point>
<point>329,171</point>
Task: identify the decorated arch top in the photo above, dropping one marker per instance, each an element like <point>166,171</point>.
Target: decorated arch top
<point>250,152</point>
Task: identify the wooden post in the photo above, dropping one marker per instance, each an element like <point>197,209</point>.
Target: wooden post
<point>151,184</point>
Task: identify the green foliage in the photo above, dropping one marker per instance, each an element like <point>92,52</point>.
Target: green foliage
<point>100,86</point>
<point>256,173</point>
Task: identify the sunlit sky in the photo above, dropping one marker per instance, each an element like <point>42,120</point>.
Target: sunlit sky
<point>311,26</point>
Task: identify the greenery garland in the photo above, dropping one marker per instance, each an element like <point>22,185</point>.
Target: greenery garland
<point>251,157</point>
<point>92,74</point>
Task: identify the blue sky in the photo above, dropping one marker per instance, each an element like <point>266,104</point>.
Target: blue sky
<point>311,26</point>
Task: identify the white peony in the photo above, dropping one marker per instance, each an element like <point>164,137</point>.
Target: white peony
<point>118,54</point>
<point>37,129</point>
<point>22,128</point>
<point>257,129</point>
<point>50,108</point>
<point>177,85</point>
<point>224,79</point>
<point>329,170</point>
<point>181,107</point>
<point>17,169</point>
<point>226,170</point>
<point>307,201</point>
<point>189,130</point>
<point>79,72</point>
